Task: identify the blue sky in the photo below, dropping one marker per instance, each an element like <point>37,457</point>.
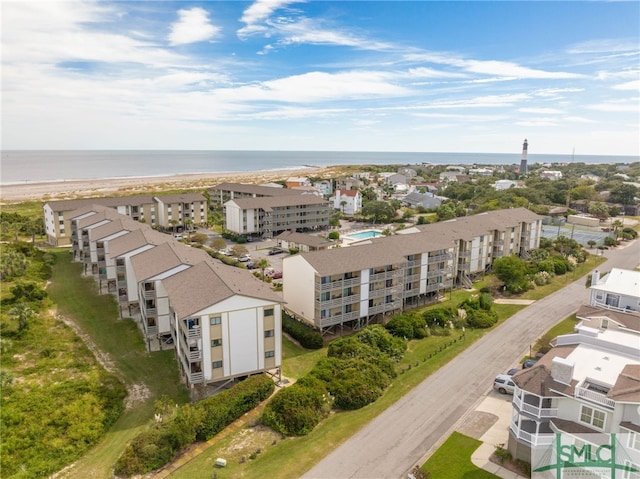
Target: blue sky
<point>322,75</point>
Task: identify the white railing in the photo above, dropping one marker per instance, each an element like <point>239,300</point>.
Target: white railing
<point>193,332</point>
<point>535,410</point>
<point>600,398</point>
<point>531,438</point>
<point>611,308</point>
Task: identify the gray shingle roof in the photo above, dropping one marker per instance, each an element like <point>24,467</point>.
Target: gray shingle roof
<point>267,203</point>
<point>208,283</point>
<point>302,238</point>
<point>256,189</point>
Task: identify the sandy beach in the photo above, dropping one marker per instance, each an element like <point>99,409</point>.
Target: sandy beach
<point>63,190</point>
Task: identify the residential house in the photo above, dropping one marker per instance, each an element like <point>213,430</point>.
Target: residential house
<point>481,171</point>
<point>270,216</point>
<point>349,202</point>
<point>303,242</point>
<point>585,388</point>
<point>398,181</point>
<point>351,183</point>
<point>427,200</point>
<point>325,187</point>
<point>294,181</point>
<point>505,184</point>
<point>552,175</point>
<point>619,290</point>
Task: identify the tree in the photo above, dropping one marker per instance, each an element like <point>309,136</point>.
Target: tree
<point>22,314</point>
<point>599,210</point>
<point>173,224</point>
<point>591,243</point>
<point>343,203</point>
<point>239,250</point>
<point>333,235</point>
<point>379,211</point>
<point>218,244</point>
<point>262,264</point>
<point>624,194</point>
<point>617,227</point>
<point>512,271</point>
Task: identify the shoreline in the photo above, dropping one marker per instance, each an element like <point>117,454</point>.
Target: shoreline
<point>122,186</point>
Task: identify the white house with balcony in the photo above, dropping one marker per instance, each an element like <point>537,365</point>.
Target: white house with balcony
<point>618,291</point>
<point>348,201</point>
<point>586,385</point>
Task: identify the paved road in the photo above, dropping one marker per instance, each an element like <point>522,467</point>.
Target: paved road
<point>390,445</point>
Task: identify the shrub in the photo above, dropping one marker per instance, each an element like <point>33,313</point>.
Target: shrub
<point>334,235</point>
<point>307,337</point>
<point>438,316</point>
<point>160,444</point>
<point>296,410</point>
<point>400,326</point>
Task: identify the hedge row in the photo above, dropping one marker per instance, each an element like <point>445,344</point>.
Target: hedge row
<point>179,427</point>
<point>306,336</point>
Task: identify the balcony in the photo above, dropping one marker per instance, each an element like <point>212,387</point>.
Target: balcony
<point>541,439</point>
<point>194,378</point>
<point>439,258</point>
<point>193,332</point>
<point>533,410</point>
<point>584,392</point>
<point>151,330</point>
<point>150,294</point>
<point>194,356</point>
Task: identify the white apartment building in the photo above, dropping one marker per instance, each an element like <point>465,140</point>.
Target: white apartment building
<point>160,211</point>
<point>144,264</point>
<point>353,286</point>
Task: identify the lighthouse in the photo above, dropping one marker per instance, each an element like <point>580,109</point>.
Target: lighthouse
<point>523,161</point>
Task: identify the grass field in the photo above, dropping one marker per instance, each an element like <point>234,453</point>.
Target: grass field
<point>453,460</point>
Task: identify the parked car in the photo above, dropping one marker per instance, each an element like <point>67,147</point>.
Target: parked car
<point>251,265</point>
<point>276,275</point>
<point>244,258</point>
<point>528,363</point>
<point>503,383</point>
<point>273,251</point>
<point>511,372</point>
<point>225,252</point>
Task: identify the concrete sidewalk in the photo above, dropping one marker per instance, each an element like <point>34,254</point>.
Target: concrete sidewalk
<point>489,423</point>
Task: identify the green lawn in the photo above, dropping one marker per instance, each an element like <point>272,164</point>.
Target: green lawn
<point>453,460</point>
<point>76,297</point>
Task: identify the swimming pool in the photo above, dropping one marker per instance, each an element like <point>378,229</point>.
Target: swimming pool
<point>364,234</point>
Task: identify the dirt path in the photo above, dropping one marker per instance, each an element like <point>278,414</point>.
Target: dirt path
<point>136,393</point>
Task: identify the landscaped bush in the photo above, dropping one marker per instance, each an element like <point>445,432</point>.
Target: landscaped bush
<point>438,316</point>
<point>182,426</point>
<point>307,337</point>
<point>296,410</point>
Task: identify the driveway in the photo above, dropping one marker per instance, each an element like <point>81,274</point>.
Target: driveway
<point>408,432</point>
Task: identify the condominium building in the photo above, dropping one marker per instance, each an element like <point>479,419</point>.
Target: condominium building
<point>171,289</point>
<point>164,211</point>
<point>220,194</point>
<point>270,216</point>
<point>353,286</point>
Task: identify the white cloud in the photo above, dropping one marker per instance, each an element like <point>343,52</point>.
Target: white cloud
<point>631,85</point>
<point>630,106</point>
<point>193,26</point>
<point>540,111</point>
<point>259,12</point>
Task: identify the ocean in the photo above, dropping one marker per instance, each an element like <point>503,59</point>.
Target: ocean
<point>36,166</point>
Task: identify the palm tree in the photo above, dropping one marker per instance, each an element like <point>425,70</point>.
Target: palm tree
<point>23,314</point>
<point>262,264</point>
<point>343,203</point>
<point>617,225</point>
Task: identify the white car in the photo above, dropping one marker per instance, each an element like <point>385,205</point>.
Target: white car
<point>244,258</point>
<point>503,383</point>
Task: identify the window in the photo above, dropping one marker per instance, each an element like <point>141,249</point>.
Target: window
<point>216,364</point>
<point>268,333</point>
<point>216,342</point>
<point>634,441</point>
<point>215,320</point>
<point>326,296</point>
<point>592,416</point>
<point>605,323</point>
<point>269,354</point>
<point>268,312</point>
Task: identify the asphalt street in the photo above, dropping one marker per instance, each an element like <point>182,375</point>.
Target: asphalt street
<point>410,430</point>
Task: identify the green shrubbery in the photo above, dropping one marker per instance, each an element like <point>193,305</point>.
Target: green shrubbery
<point>177,427</point>
<point>355,373</point>
<point>307,337</point>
